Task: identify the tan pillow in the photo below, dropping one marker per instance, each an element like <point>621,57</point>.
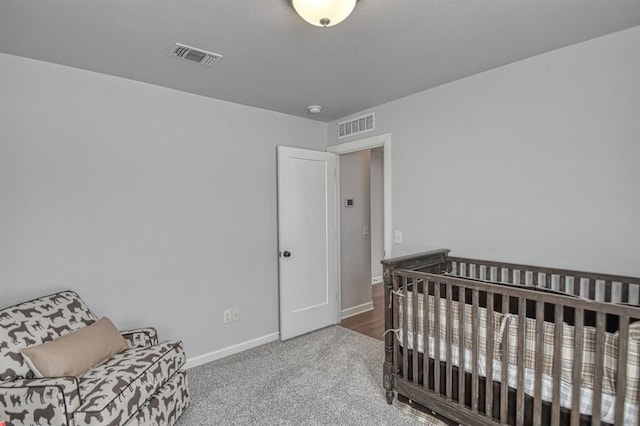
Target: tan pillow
<point>75,353</point>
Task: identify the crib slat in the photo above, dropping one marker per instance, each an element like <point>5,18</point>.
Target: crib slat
<point>548,280</point>
<point>607,291</point>
<point>461,333</point>
<point>498,275</point>
<point>537,393</point>
<point>521,365</point>
<point>414,310</point>
<point>591,285</point>
<point>504,368</point>
<point>405,331</point>
<point>534,279</point>
<point>621,378</point>
<point>563,284</point>
<point>542,279</point>
<point>577,284</point>
<point>488,358</point>
<point>425,334</point>
<point>395,320</point>
<point>557,363</point>
<point>577,364</point>
<point>598,368</point>
<point>436,338</point>
<point>624,293</point>
<point>449,318</point>
<point>474,350</point>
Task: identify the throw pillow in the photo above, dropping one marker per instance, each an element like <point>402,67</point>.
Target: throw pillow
<point>75,353</point>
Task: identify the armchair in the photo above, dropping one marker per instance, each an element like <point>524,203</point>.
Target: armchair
<point>145,383</point>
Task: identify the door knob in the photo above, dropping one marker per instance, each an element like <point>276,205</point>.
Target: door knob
<point>286,254</point>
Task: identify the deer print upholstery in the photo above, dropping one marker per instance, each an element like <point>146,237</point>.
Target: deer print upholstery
<point>143,385</point>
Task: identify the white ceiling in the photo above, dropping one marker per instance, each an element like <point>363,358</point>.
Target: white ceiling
<point>385,50</point>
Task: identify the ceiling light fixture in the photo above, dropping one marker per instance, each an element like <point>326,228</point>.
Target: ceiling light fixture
<point>324,13</point>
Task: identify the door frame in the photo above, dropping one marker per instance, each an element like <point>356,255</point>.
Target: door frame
<point>384,141</point>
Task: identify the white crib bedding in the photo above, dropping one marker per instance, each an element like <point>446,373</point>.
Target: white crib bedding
<point>631,411</point>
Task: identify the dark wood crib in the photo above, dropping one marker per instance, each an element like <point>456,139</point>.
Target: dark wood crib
<point>484,343</point>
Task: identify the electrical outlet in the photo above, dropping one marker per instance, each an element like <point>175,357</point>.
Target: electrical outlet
<point>226,316</point>
<point>235,314</point>
<point>398,237</point>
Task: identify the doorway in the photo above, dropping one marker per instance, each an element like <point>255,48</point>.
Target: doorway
<point>364,230</point>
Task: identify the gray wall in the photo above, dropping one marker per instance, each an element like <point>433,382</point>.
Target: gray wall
<point>377,213</point>
<point>157,206</point>
<point>355,248</point>
<point>536,161</point>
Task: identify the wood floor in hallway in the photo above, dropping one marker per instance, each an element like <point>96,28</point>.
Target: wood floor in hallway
<point>370,323</point>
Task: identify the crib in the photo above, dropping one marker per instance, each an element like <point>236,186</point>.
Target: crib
<point>484,343</point>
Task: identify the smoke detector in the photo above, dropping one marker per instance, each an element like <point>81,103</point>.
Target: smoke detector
<point>195,55</point>
<point>314,109</point>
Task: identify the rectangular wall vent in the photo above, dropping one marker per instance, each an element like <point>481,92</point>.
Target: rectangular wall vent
<point>192,54</point>
<point>357,125</point>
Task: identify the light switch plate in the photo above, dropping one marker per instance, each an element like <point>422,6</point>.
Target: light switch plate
<point>398,237</point>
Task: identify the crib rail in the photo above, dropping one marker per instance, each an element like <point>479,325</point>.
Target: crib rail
<point>601,287</point>
<point>480,352</point>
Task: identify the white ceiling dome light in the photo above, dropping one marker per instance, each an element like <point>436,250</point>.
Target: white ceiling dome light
<point>324,13</point>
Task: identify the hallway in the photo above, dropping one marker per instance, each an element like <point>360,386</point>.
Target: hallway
<point>370,323</point>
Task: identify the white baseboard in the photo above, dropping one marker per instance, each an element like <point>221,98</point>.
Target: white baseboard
<point>240,347</point>
<point>377,280</point>
<point>360,309</point>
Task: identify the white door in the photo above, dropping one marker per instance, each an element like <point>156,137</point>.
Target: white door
<point>307,240</point>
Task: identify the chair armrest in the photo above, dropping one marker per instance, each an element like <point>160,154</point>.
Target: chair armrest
<point>140,337</point>
<point>36,401</point>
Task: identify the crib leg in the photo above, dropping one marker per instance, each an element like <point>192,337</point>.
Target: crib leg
<point>387,368</point>
<point>389,397</point>
<point>386,383</point>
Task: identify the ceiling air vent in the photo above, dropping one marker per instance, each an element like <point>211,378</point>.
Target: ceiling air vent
<point>357,125</point>
<point>191,54</point>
